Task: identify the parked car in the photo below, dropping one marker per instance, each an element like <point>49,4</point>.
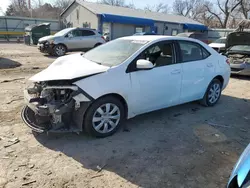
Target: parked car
<point>106,37</point>
<point>195,35</point>
<point>238,52</point>
<point>240,176</point>
<point>123,78</point>
<point>70,39</point>
<point>219,44</point>
<point>144,33</point>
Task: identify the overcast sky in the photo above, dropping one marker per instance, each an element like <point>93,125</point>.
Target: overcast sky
<point>138,3</point>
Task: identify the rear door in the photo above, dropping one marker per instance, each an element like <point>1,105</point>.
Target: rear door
<point>198,70</point>
<point>88,39</point>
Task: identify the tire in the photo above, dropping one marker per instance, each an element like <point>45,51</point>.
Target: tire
<point>101,126</point>
<point>216,86</point>
<point>59,50</point>
<point>98,44</point>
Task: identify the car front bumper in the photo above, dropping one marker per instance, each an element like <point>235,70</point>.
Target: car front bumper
<point>240,69</point>
<point>45,47</point>
<point>35,116</point>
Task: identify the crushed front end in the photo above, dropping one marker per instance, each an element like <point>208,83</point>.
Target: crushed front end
<point>54,107</point>
<point>239,63</point>
<point>45,47</point>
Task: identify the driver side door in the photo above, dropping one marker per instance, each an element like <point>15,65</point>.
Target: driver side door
<point>158,87</point>
<point>73,39</point>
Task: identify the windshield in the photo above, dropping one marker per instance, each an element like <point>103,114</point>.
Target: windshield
<point>115,52</point>
<point>245,48</point>
<point>63,32</point>
<point>220,41</point>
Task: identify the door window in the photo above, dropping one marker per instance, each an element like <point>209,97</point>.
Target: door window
<point>87,33</point>
<point>191,51</point>
<point>74,33</point>
<point>160,54</point>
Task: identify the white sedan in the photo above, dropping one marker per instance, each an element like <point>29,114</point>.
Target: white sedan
<point>98,90</point>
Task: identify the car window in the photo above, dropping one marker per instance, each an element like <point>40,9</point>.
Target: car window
<point>159,54</point>
<point>74,33</point>
<point>87,33</point>
<point>191,51</point>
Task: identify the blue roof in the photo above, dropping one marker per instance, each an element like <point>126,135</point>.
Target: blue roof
<point>194,27</point>
<point>126,20</point>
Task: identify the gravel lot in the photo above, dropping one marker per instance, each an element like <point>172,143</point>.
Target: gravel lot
<point>184,146</point>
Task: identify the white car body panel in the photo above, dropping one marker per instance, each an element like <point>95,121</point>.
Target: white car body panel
<point>69,67</point>
<point>144,90</point>
<point>217,45</point>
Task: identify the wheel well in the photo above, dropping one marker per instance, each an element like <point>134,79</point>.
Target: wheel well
<point>220,78</point>
<point>63,45</point>
<point>123,101</point>
<point>97,44</point>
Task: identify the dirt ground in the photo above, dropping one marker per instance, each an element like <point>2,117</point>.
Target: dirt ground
<point>185,146</point>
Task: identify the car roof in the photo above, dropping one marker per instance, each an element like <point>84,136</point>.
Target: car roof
<point>157,38</point>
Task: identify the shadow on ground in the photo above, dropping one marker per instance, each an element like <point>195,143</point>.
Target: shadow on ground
<point>174,147</point>
<point>8,63</point>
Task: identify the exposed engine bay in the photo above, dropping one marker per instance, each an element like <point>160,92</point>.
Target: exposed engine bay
<point>238,58</point>
<point>54,106</point>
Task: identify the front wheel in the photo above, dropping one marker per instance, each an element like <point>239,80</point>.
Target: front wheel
<point>213,93</point>
<point>59,50</point>
<point>104,117</point>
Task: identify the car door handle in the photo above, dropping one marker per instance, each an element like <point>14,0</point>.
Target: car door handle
<point>210,65</point>
<point>177,71</point>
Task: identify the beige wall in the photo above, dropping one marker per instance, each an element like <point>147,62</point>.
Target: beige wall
<point>70,16</point>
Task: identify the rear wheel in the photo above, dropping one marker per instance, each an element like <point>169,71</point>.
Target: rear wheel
<point>212,94</point>
<point>104,117</point>
<point>59,50</point>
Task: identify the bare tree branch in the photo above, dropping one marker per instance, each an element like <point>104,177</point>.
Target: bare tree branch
<point>160,7</point>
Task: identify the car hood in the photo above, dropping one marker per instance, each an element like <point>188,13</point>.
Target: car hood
<point>69,67</point>
<point>50,37</point>
<point>217,45</point>
<point>238,38</point>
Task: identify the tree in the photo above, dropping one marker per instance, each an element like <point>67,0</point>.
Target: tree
<point>160,7</point>
<point>62,4</point>
<point>223,12</point>
<point>244,8</point>
<point>17,8</point>
<point>182,7</point>
<point>120,3</point>
<point>10,11</point>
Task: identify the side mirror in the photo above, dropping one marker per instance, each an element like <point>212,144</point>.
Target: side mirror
<point>240,176</point>
<point>143,64</point>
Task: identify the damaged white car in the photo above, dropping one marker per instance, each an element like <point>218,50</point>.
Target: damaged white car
<point>126,77</point>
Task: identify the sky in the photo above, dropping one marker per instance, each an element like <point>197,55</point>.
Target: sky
<point>138,3</point>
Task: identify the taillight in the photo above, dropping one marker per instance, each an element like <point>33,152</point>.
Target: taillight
<point>227,61</point>
<point>103,38</point>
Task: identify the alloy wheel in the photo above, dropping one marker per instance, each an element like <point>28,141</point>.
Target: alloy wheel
<point>214,93</point>
<point>60,50</point>
<point>106,118</point>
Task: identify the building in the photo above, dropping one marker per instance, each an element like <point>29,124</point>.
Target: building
<point>121,21</point>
